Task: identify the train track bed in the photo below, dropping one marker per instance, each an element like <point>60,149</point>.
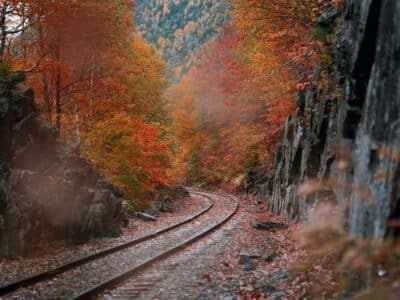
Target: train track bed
<point>82,278</point>
<point>211,268</point>
<point>54,255</point>
<point>180,276</point>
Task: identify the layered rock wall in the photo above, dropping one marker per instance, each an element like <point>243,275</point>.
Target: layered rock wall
<point>46,194</point>
<point>352,140</point>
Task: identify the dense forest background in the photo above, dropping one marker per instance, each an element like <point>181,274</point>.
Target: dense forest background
<point>137,96</point>
<point>158,92</point>
<point>179,28</point>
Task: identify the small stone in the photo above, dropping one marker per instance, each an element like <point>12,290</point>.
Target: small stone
<point>254,224</point>
<point>279,274</point>
<point>230,298</point>
<point>251,253</point>
<point>268,288</point>
<point>146,217</point>
<point>278,294</point>
<point>250,265</point>
<point>270,256</point>
<point>249,288</point>
<point>244,260</point>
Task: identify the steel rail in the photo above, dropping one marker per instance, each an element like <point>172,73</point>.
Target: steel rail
<point>48,274</point>
<point>109,283</point>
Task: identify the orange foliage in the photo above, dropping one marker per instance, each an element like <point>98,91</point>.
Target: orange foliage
<point>97,83</point>
<point>131,152</point>
<point>244,87</point>
<point>222,112</point>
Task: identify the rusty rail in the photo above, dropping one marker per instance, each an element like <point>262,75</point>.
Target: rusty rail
<point>109,283</point>
<point>48,274</point>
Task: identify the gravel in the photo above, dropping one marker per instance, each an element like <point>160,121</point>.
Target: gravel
<point>207,269</point>
<point>210,268</point>
<point>77,280</point>
<point>49,256</point>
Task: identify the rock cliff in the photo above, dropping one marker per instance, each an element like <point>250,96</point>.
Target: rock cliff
<point>46,194</point>
<point>352,140</point>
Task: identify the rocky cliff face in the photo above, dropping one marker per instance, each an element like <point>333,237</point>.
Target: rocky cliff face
<point>353,141</point>
<point>46,194</point>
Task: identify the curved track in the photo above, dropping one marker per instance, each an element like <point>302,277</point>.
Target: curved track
<point>40,276</point>
<point>149,247</point>
<point>92,292</point>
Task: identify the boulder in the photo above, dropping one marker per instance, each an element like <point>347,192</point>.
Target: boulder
<point>167,205</point>
<point>266,225</point>
<point>164,199</point>
<point>47,193</point>
<point>94,222</point>
<point>153,209</point>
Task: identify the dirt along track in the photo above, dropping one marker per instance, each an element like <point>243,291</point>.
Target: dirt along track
<point>91,275</point>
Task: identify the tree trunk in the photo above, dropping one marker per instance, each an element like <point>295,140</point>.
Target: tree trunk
<point>45,82</point>
<point>58,90</point>
<point>23,46</point>
<point>90,121</point>
<point>46,98</point>
<point>77,126</point>
<point>58,102</point>
<point>3,29</point>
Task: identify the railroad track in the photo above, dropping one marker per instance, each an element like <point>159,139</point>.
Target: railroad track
<point>92,292</point>
<point>127,251</point>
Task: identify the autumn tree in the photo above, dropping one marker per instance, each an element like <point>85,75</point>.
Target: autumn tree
<point>246,82</point>
<point>281,44</point>
<point>96,82</point>
<point>219,118</point>
<point>16,18</point>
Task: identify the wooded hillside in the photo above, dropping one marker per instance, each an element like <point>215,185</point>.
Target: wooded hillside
<point>179,28</point>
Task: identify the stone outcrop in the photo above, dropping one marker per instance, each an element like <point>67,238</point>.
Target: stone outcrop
<point>164,199</point>
<point>352,140</point>
<point>46,194</point>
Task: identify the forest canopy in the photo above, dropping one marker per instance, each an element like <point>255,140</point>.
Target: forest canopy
<point>96,81</point>
<point>99,70</point>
